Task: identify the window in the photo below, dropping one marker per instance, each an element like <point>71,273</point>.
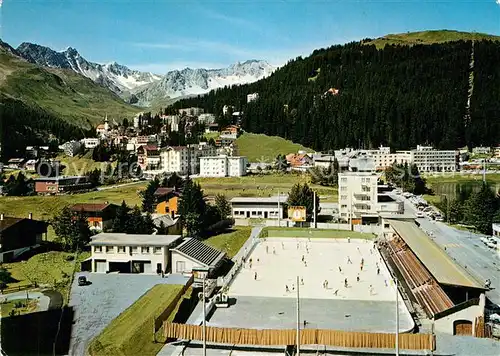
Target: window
<point>145,249</point>
<point>343,189</point>
<point>134,249</point>
<point>109,249</point>
<point>343,180</point>
<point>343,197</point>
<point>344,206</point>
<point>157,250</point>
<point>121,249</point>
<point>98,249</point>
<point>254,213</point>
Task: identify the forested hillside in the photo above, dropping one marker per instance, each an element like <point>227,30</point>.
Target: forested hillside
<point>399,96</point>
<point>38,104</point>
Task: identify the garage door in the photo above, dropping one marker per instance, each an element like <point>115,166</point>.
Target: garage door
<point>462,327</point>
<point>147,267</point>
<point>100,266</point>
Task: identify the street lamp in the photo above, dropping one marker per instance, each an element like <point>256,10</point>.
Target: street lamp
<point>205,271</point>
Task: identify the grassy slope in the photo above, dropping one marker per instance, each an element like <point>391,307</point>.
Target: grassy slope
<point>230,242</point>
<point>429,37</point>
<point>45,269</point>
<point>45,207</point>
<point>261,185</point>
<point>63,92</point>
<point>262,148</point>
<point>131,332</point>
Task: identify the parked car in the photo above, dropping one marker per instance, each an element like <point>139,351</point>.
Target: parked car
<point>82,281</point>
<point>420,214</point>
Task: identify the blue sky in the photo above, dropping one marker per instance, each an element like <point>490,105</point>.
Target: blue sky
<point>163,35</point>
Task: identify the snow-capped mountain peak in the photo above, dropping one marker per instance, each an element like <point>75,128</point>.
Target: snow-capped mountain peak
<point>147,86</point>
<point>114,76</point>
<point>189,81</point>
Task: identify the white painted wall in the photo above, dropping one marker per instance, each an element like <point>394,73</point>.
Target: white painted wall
<point>182,264</point>
<point>131,253</point>
<point>445,325</point>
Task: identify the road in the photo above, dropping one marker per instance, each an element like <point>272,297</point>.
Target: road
<point>119,185</point>
<point>466,249</point>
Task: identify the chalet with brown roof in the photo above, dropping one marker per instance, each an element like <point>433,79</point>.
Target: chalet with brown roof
<point>19,235</point>
<point>99,215</point>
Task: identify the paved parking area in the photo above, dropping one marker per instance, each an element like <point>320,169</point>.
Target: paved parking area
<point>95,305</point>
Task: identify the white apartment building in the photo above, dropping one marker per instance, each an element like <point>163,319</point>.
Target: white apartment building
<point>191,111</point>
<point>481,150</point>
<point>128,253</point>
<point>181,159</point>
<point>384,158</point>
<point>358,190</point>
<point>206,119</point>
<point>428,159</point>
<point>223,166</point>
<point>252,97</point>
<point>71,148</point>
<point>496,229</point>
<point>90,143</point>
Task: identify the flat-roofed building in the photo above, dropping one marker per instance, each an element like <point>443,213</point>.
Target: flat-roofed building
<point>131,253</point>
<point>61,184</point>
<point>258,208</point>
<point>428,159</point>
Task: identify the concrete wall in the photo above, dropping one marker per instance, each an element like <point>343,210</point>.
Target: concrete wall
<point>132,255</point>
<point>445,324</point>
<point>188,263</point>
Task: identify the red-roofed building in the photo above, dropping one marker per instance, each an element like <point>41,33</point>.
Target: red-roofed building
<point>148,157</point>
<point>99,215</point>
<point>298,160</point>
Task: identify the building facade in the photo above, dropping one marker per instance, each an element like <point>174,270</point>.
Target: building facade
<point>99,216</point>
<point>191,111</point>
<point>358,191</point>
<point>90,142</point>
<point>127,253</point>
<point>184,159</point>
<point>427,159</point>
<point>252,97</point>
<point>223,166</point>
<point>258,208</point>
<point>148,157</point>
<point>61,184</point>
<point>496,230</point>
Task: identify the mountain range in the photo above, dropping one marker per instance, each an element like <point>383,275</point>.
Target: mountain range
<point>145,88</point>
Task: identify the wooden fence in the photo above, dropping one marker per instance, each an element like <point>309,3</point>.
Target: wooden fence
<point>171,306</point>
<point>348,339</point>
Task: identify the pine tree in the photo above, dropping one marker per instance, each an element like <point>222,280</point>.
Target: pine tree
<point>121,219</point>
<point>192,208</point>
<point>148,197</point>
<point>303,195</point>
<point>480,209</point>
<point>223,206</point>
<point>72,229</point>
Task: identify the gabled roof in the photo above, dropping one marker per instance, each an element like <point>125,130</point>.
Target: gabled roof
<point>439,264</point>
<point>8,222</point>
<point>90,207</point>
<point>163,191</point>
<point>199,252</point>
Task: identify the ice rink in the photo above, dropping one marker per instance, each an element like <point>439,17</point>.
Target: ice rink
<point>276,262</point>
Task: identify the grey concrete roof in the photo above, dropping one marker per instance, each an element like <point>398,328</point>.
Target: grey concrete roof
<point>439,264</point>
<point>113,239</point>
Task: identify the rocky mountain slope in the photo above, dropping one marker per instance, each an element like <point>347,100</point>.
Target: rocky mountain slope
<point>189,81</point>
<point>116,77</point>
<point>144,88</point>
